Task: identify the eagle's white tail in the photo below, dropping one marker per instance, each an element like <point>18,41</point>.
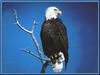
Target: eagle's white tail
<point>58,66</point>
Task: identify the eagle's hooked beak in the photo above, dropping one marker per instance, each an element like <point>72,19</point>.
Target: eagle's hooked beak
<point>59,11</point>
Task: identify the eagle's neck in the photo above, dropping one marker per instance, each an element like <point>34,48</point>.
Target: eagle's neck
<point>50,16</point>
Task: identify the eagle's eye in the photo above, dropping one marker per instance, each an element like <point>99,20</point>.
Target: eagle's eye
<point>55,9</point>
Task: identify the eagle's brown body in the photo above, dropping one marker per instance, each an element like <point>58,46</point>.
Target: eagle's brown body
<point>54,39</point>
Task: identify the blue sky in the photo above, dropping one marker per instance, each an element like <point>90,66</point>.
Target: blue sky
<point>81,21</point>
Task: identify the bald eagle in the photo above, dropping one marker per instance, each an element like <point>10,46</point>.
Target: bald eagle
<point>54,39</point>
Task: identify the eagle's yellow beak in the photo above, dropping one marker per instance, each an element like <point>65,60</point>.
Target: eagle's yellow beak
<point>59,12</point>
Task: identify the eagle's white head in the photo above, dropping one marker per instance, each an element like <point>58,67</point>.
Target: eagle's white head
<point>52,12</point>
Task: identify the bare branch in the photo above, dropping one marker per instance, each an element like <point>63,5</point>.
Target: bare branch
<point>31,33</point>
<point>34,24</point>
<point>31,53</point>
<point>44,66</point>
<point>23,27</point>
<point>33,37</point>
<point>17,22</point>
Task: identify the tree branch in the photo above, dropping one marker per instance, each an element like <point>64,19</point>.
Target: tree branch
<point>44,66</point>
<point>31,33</point>
<point>17,22</point>
<point>31,53</point>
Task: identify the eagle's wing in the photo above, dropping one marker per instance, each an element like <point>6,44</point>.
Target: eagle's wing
<point>54,38</point>
<point>63,38</point>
